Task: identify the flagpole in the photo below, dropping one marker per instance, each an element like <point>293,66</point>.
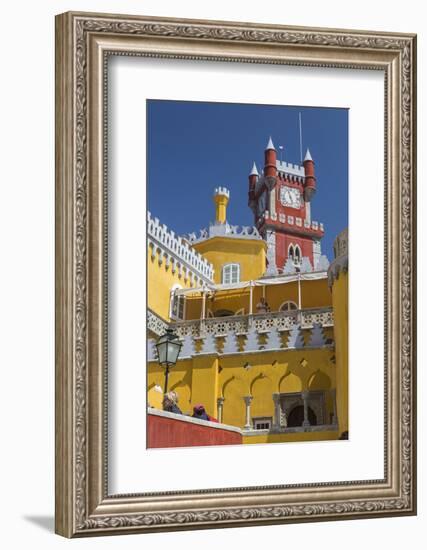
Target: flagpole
<point>300,137</point>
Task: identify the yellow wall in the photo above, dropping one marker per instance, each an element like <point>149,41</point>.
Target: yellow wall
<point>340,304</point>
<point>289,437</point>
<point>249,253</point>
<point>314,294</point>
<point>267,373</point>
<point>161,280</point>
<point>180,380</point>
<point>204,378</point>
<point>221,202</point>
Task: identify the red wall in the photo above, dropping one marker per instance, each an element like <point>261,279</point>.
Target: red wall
<point>282,244</point>
<point>168,432</point>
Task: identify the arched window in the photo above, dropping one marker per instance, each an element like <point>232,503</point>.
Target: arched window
<point>288,306</point>
<point>177,304</point>
<point>291,251</point>
<point>230,274</point>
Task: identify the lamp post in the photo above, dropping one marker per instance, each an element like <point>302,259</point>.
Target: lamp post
<point>168,348</point>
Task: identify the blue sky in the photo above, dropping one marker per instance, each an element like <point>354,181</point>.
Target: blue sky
<point>194,147</point>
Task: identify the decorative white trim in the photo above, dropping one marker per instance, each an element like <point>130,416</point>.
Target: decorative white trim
<point>292,322</point>
<point>290,169</point>
<point>229,267</point>
<point>222,191</point>
<point>281,307</point>
<point>193,420</point>
<point>224,230</point>
<point>340,263</point>
<point>168,246</point>
<point>155,323</point>
<point>270,238</point>
<point>172,296</point>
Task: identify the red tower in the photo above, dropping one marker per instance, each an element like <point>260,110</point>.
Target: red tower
<point>280,199</point>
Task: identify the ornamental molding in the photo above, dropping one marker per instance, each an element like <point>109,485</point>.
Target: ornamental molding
<point>371,507</point>
<point>156,324</point>
<point>305,319</point>
<point>224,230</point>
<point>175,252</point>
<point>404,47</point>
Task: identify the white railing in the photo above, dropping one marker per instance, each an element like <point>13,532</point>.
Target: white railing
<point>241,324</point>
<point>174,250</point>
<point>155,323</point>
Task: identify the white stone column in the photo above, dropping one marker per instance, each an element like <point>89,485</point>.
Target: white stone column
<point>272,203</point>
<point>219,408</point>
<point>202,313</point>
<point>304,396</point>
<point>251,297</point>
<point>248,401</point>
<point>299,292</point>
<point>203,304</point>
<point>276,419</point>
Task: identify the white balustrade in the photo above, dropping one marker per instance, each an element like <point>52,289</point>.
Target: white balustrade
<point>155,324</point>
<point>241,324</point>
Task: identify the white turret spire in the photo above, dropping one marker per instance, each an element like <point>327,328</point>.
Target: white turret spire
<point>307,155</point>
<point>270,144</point>
<point>254,171</point>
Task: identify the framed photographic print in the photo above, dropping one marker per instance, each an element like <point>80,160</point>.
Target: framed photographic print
<point>235,276</point>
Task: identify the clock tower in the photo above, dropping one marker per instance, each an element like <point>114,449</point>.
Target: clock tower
<point>280,199</point>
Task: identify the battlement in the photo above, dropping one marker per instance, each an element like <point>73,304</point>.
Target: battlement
<point>290,169</point>
<point>222,191</point>
<point>176,251</point>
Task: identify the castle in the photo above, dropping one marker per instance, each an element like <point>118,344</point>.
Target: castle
<point>262,316</point>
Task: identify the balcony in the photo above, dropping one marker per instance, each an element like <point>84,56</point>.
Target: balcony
<point>261,323</point>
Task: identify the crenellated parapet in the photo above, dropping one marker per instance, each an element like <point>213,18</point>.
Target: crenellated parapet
<point>294,172</point>
<point>176,253</point>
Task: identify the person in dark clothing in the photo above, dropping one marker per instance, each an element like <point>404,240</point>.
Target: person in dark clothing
<point>170,401</point>
<point>199,412</point>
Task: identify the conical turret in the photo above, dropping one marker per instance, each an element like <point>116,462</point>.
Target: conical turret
<point>310,178</point>
<point>270,163</point>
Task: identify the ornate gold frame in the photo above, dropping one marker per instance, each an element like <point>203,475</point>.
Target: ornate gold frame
<point>83,41</point>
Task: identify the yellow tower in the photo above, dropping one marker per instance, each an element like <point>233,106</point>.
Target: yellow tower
<point>221,198</point>
<point>338,281</point>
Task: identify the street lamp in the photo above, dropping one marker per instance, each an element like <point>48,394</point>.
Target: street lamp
<point>168,348</point>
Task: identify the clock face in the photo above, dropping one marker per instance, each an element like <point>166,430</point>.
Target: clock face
<point>290,197</point>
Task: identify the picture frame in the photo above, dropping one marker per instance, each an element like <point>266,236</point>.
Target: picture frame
<point>84,506</point>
